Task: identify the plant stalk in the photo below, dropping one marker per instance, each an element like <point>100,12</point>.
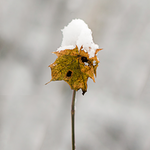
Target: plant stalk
<point>73,120</point>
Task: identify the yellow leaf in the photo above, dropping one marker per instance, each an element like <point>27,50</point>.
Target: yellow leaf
<point>74,67</point>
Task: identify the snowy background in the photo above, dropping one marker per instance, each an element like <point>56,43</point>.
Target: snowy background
<point>115,112</point>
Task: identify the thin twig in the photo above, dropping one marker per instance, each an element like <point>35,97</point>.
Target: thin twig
<point>73,120</point>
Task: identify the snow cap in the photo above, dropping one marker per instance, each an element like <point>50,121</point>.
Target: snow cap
<point>78,34</point>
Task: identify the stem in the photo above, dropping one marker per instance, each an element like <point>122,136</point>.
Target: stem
<point>73,120</point>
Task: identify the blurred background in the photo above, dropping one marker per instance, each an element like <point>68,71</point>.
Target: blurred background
<point>114,114</point>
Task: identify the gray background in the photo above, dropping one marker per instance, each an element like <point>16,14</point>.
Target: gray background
<point>115,112</point>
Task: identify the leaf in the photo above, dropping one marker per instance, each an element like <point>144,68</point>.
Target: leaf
<point>74,67</point>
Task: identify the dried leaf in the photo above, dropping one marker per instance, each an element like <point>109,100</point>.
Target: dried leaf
<point>74,67</point>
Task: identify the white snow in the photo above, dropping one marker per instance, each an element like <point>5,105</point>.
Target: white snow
<point>78,34</point>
